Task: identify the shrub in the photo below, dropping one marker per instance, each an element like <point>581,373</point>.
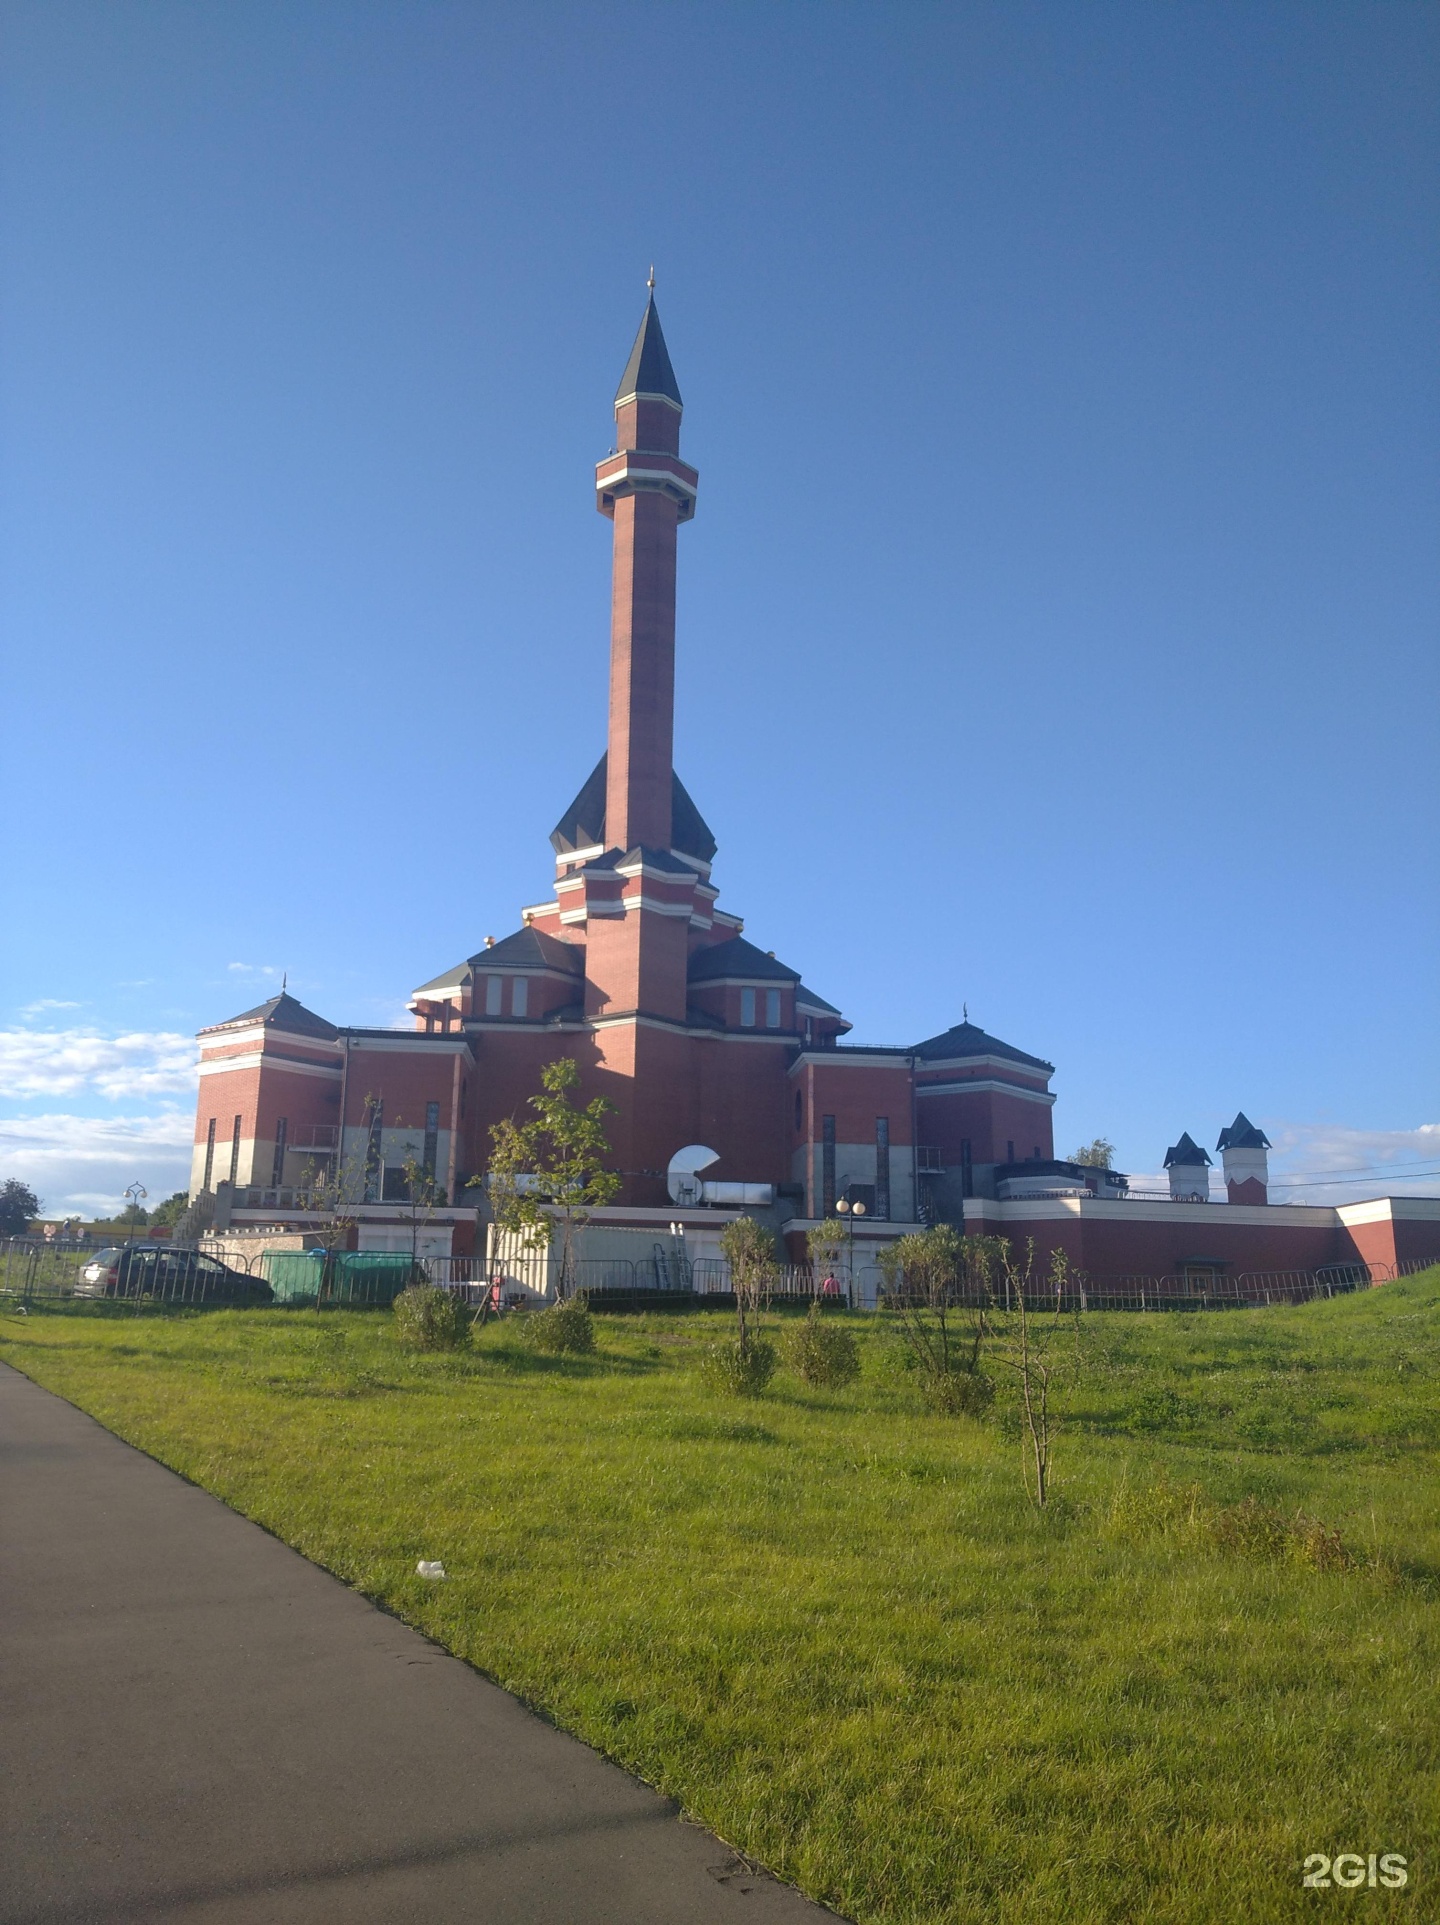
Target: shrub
<point>822,1353</point>
<point>562,1328</point>
<point>958,1393</point>
<point>737,1369</point>
<point>1248,1529</point>
<point>428,1318</point>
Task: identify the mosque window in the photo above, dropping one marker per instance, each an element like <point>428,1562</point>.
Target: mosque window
<point>772,1009</point>
<point>747,1008</point>
<point>494,989</point>
<point>799,1112</point>
<point>519,996</point>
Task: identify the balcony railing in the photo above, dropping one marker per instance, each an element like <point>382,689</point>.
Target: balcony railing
<point>315,1136</point>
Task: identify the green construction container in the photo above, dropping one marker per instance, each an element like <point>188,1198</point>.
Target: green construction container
<point>357,1277</point>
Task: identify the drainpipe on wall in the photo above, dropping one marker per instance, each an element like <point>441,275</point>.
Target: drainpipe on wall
<point>914,1146</point>
<point>450,1167</point>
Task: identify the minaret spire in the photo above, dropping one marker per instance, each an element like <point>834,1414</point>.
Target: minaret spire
<point>647,491</point>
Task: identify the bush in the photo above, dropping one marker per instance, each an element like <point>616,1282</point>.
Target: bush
<point>1248,1529</point>
<point>562,1328</point>
<point>428,1318</point>
<point>822,1353</point>
<point>958,1393</point>
<point>736,1370</point>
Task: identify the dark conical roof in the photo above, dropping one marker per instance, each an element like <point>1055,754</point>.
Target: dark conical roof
<point>1185,1154</point>
<point>283,1012</point>
<point>648,371</point>
<point>968,1039</point>
<point>736,957</point>
<point>1243,1135</point>
<point>583,823</point>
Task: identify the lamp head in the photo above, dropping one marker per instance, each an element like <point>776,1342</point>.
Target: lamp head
<point>858,1208</point>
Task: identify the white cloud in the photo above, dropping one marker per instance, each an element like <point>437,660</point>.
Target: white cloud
<point>251,969</point>
<point>65,1062</point>
<point>80,1165</point>
<point>46,1002</point>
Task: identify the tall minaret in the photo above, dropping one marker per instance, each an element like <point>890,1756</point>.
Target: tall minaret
<point>647,491</point>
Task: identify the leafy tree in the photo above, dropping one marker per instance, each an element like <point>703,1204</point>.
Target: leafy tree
<point>19,1205</point>
<point>555,1167</point>
<point>940,1286</point>
<point>169,1212</point>
<point>336,1191</point>
<point>750,1252</point>
<point>825,1244</point>
<point>423,1196</point>
<point>1099,1155</point>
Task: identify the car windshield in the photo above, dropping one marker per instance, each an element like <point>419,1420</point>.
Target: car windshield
<point>106,1256</point>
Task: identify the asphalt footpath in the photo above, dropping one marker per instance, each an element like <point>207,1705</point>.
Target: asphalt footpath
<point>197,1724</point>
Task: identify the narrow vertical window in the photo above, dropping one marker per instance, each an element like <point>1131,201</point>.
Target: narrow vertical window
<point>235,1153</point>
<point>799,1112</point>
<point>375,1113</point>
<point>827,1166</point>
<point>772,1009</point>
<point>432,1137</point>
<point>882,1168</point>
<point>209,1154</point>
<point>277,1170</point>
<point>747,1009</point>
<point>967,1174</point>
<point>1009,1152</point>
<point>519,996</point>
<point>494,989</point>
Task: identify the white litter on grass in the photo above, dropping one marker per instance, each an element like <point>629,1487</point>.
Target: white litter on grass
<point>424,1569</point>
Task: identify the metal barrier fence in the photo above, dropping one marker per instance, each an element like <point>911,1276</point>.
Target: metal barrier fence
<point>34,1269</point>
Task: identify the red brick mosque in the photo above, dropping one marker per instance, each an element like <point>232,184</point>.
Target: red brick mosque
<point>732,1084</point>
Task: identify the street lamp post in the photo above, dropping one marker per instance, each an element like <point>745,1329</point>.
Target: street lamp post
<point>136,1192</point>
<point>850,1212</point>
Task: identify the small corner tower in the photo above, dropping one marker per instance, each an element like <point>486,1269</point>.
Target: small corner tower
<point>1188,1167</point>
<point>1247,1169</point>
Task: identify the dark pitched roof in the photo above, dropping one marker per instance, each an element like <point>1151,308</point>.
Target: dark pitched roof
<point>283,1012</point>
<point>968,1039</point>
<point>530,948</point>
<point>583,824</point>
<point>454,978</point>
<point>689,831</point>
<point>1186,1153</point>
<point>648,371</point>
<point>810,1000</point>
<point>657,859</point>
<point>738,958</point>
<point>1243,1135</point>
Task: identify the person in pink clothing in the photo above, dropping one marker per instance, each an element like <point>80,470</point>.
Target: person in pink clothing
<point>831,1285</point>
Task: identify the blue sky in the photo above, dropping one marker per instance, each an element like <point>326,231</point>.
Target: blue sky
<point>1057,628</point>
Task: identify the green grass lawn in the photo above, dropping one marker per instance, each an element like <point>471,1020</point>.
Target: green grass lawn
<point>832,1626</point>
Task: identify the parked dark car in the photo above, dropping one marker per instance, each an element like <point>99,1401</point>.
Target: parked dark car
<point>173,1276</point>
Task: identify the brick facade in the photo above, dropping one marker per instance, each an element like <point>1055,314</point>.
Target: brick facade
<point>695,1036</point>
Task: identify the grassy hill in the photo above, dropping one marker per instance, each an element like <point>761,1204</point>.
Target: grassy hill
<point>833,1626</point>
